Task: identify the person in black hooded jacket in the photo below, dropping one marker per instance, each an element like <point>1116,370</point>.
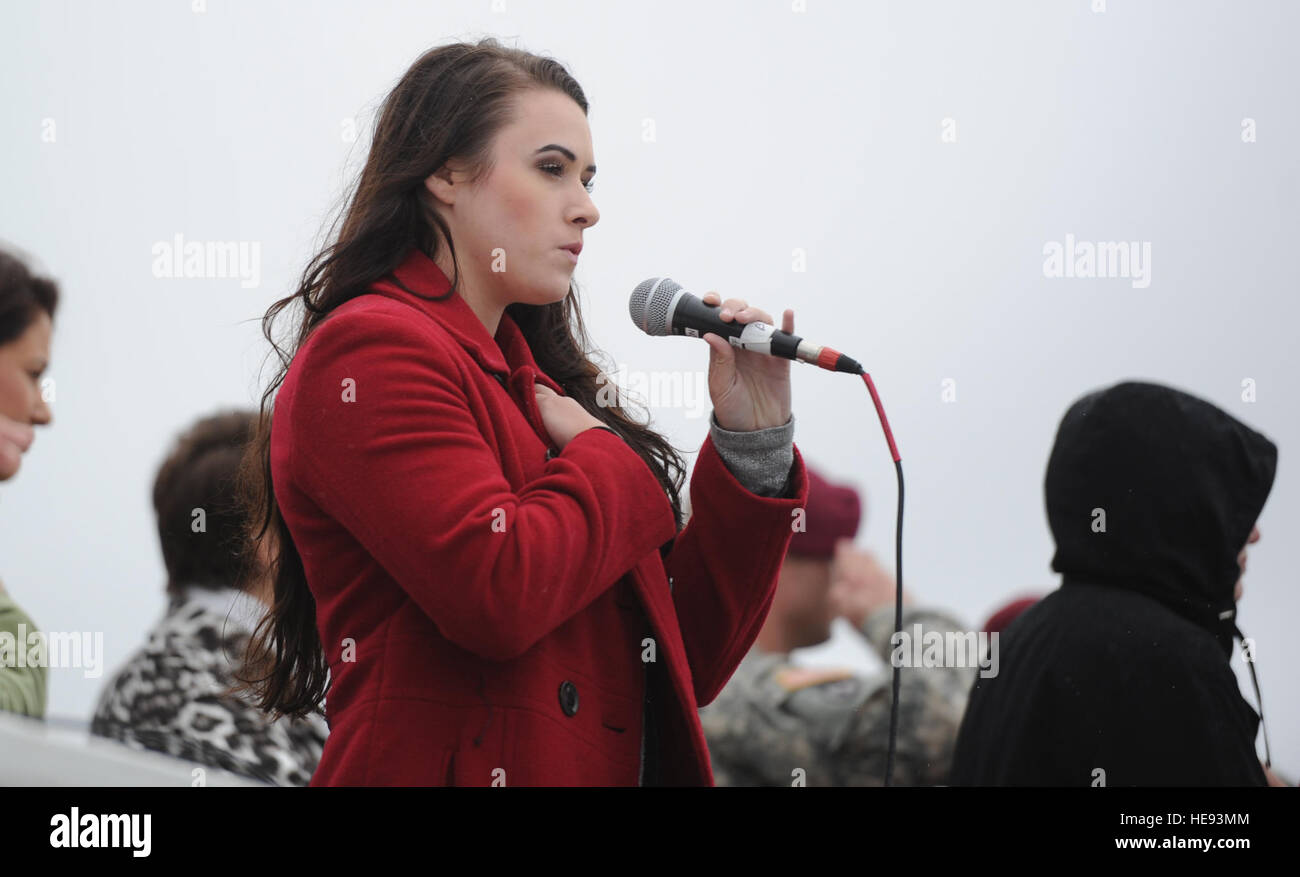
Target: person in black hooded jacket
<point>1121,677</point>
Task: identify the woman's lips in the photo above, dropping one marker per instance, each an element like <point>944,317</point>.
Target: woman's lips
<point>572,255</point>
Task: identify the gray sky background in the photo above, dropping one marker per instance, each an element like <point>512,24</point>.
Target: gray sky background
<point>777,134</point>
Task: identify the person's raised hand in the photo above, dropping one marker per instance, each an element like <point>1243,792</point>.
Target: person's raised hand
<point>859,584</point>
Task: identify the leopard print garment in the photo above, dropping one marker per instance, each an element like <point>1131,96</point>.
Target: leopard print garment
<point>169,698</point>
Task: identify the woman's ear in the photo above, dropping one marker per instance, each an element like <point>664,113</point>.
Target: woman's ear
<point>441,186</point>
<point>444,183</point>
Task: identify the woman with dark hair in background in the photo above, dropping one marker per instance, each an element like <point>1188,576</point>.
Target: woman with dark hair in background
<point>481,558</point>
<point>27,304</point>
<point>174,694</point>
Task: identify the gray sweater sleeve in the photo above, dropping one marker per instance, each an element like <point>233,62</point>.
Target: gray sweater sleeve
<point>760,459</point>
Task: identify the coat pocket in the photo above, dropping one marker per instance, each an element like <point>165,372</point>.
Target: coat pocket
<point>550,752</point>
<point>399,742</point>
<point>485,756</point>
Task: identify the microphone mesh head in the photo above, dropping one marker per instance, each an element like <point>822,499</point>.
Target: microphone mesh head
<point>649,304</point>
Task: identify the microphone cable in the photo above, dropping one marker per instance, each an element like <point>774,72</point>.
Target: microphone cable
<point>898,566</point>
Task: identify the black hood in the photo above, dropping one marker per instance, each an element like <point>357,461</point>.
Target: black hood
<point>1181,483</point>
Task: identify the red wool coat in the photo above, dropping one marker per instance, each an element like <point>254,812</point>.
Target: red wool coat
<point>482,600</point>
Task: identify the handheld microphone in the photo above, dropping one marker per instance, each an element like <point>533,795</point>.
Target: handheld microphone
<point>659,306</point>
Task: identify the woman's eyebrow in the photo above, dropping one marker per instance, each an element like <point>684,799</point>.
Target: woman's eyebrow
<point>567,153</point>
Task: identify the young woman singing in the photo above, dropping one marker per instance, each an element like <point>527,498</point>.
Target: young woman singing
<point>485,566</point>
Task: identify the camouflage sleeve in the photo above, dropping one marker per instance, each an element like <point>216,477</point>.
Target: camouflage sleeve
<point>854,713</point>
<point>22,688</point>
<point>878,630</point>
<point>779,724</point>
<point>753,740</point>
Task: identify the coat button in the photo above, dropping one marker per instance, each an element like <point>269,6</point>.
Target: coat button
<point>568,697</point>
<point>550,454</point>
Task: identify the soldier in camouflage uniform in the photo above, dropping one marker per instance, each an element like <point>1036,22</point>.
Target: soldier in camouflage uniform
<point>779,724</point>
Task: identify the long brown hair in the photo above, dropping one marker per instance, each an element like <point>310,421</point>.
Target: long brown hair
<point>451,103</point>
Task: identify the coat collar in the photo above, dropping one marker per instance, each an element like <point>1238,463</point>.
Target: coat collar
<point>505,355</point>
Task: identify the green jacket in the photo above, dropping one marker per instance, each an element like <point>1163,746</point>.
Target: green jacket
<point>22,689</point>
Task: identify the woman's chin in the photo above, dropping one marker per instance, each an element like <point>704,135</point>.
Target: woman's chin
<point>557,292</point>
<point>542,293</point>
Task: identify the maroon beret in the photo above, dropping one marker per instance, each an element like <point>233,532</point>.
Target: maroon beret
<point>1003,617</point>
<point>831,513</point>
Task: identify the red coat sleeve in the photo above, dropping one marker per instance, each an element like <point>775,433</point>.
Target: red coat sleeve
<point>725,564</point>
<point>405,467</point>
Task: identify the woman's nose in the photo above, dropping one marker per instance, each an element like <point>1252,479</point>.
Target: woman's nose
<point>41,414</point>
<point>587,214</point>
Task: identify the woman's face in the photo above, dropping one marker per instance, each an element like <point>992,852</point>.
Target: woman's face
<point>510,227</point>
<point>22,363</point>
<point>1241,562</point>
<point>803,599</point>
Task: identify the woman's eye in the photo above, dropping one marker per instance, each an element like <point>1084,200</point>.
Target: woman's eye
<point>558,170</point>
